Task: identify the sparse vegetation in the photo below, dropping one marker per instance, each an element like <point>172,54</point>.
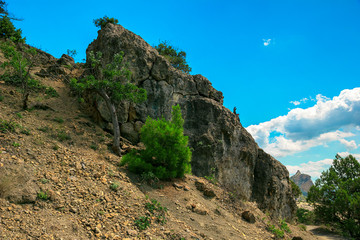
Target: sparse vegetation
<point>114,186</point>
<point>142,223</point>
<point>176,57</point>
<point>62,136</point>
<point>102,22</point>
<point>71,53</point>
<point>212,177</point>
<point>20,62</point>
<point>167,154</point>
<point>112,84</point>
<point>276,231</point>
<point>7,126</point>
<point>58,120</point>
<point>305,216</point>
<point>295,189</point>
<point>336,196</point>
<point>43,195</point>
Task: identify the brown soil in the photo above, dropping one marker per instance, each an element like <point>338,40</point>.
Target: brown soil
<point>60,151</point>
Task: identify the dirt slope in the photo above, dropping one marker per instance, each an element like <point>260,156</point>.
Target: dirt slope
<point>56,174</point>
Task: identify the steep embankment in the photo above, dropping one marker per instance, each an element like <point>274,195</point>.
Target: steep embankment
<point>58,179</point>
<point>215,134</point>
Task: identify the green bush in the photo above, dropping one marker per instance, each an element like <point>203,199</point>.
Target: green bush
<point>295,189</point>
<point>167,154</point>
<point>176,57</point>
<point>8,31</point>
<point>305,216</point>
<point>7,126</point>
<point>101,22</point>
<point>336,196</point>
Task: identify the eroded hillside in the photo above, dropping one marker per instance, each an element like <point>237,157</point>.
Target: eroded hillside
<point>58,180</point>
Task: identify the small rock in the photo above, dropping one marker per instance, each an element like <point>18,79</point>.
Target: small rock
<point>248,216</point>
<point>297,238</point>
<point>186,188</point>
<point>131,232</point>
<point>176,185</point>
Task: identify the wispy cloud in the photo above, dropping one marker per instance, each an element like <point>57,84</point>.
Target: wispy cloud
<point>296,103</point>
<point>302,129</point>
<point>266,42</point>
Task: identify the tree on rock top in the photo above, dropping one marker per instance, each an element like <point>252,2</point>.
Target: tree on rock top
<point>112,84</point>
<point>176,57</point>
<point>167,154</point>
<point>101,22</point>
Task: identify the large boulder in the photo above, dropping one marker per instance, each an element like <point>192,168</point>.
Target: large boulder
<point>216,135</point>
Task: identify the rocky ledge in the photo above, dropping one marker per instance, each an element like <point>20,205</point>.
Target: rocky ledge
<point>219,142</point>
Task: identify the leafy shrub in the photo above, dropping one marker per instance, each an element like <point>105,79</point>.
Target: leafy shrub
<point>71,53</point>
<point>51,92</point>
<point>176,57</point>
<point>305,216</point>
<point>277,232</point>
<point>8,30</point>
<point>43,195</point>
<point>295,189</point>
<point>114,186</point>
<point>7,126</point>
<point>63,136</point>
<point>167,154</point>
<point>142,223</point>
<point>101,22</point>
<point>284,226</point>
<point>336,196</point>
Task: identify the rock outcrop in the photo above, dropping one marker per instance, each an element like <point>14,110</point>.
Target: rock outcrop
<point>303,181</point>
<point>215,134</point>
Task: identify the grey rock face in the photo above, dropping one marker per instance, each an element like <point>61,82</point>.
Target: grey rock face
<point>215,134</point>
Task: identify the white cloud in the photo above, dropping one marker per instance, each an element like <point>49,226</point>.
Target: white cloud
<point>296,103</point>
<point>302,129</point>
<point>266,42</point>
<point>345,154</point>
<point>314,169</point>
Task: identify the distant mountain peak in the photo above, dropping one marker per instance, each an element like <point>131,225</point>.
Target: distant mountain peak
<point>303,181</point>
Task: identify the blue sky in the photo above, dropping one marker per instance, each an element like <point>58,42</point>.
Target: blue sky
<point>269,58</point>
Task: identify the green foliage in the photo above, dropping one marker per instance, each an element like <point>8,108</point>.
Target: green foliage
<point>277,232</point>
<point>51,92</point>
<point>142,223</point>
<point>25,131</point>
<point>212,177</point>
<point>101,22</point>
<point>43,195</point>
<point>1,97</point>
<point>336,195</point>
<point>167,154</point>
<point>62,136</point>
<point>7,126</point>
<point>112,84</point>
<point>8,30</point>
<point>284,226</point>
<point>58,119</point>
<point>176,57</point>
<point>71,53</point>
<point>302,227</point>
<point>295,189</point>
<point>114,186</point>
<point>15,144</point>
<point>20,63</point>
<point>305,216</point>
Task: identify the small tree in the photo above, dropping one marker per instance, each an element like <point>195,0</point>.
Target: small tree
<point>295,189</point>
<point>167,154</point>
<point>20,62</point>
<point>112,84</point>
<point>8,31</point>
<point>176,57</point>
<point>101,22</point>
<point>336,195</point>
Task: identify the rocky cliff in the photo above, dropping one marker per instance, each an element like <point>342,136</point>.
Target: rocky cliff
<point>303,181</point>
<point>215,133</point>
